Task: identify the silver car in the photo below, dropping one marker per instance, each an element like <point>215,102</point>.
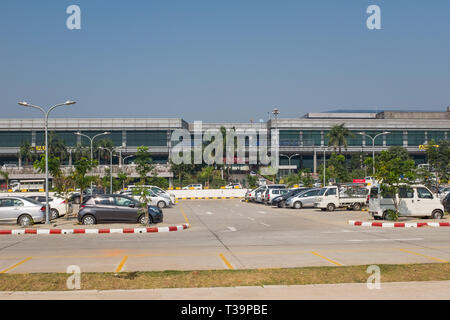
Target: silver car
<point>22,211</point>
<point>303,199</point>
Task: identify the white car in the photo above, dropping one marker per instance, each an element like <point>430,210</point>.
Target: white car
<point>193,187</point>
<point>159,200</point>
<point>414,201</point>
<point>443,192</point>
<point>57,205</point>
<point>233,186</point>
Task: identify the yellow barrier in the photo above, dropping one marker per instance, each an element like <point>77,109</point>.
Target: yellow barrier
<point>24,190</point>
<point>178,188</point>
<point>41,190</point>
<point>222,187</point>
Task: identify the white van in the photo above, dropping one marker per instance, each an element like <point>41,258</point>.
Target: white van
<point>415,201</point>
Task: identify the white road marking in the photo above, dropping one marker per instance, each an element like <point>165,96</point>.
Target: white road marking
<point>352,231</point>
<point>380,240</point>
<point>232,229</point>
<point>210,213</point>
<point>265,224</point>
<point>262,212</point>
<point>249,218</point>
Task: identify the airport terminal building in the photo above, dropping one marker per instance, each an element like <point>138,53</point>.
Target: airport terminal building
<point>302,140</point>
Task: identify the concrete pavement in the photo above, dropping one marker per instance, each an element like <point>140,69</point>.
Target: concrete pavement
<point>430,290</point>
<point>229,234</point>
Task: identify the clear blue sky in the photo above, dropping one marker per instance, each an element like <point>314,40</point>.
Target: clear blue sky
<point>221,61</point>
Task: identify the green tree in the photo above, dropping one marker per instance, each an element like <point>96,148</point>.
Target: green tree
<point>122,178</point>
<point>79,176</point>
<point>54,168</point>
<point>99,147</point>
<point>143,163</point>
<point>394,172</point>
<point>438,154</point>
<point>25,152</point>
<point>338,168</point>
<point>57,147</point>
<point>337,137</point>
<point>206,175</point>
<point>251,180</point>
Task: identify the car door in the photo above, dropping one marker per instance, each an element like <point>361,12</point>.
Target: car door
<point>309,197</point>
<point>406,202</point>
<point>105,209</point>
<point>8,212</point>
<point>425,202</point>
<point>125,213</point>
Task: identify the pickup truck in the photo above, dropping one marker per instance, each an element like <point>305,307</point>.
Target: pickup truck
<point>332,197</point>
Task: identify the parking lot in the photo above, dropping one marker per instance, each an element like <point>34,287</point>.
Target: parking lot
<point>229,234</point>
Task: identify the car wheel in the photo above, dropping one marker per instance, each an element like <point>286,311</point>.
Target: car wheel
<point>437,214</point>
<point>25,220</point>
<point>331,207</point>
<point>298,205</point>
<point>386,216</point>
<point>143,221</point>
<point>88,220</point>
<point>54,214</point>
<point>281,204</point>
<point>161,204</point>
<point>357,207</point>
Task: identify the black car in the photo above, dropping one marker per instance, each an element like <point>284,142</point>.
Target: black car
<point>446,203</point>
<point>281,200</point>
<point>115,208</point>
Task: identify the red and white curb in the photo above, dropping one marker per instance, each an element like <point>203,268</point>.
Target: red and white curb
<point>94,231</point>
<point>399,224</point>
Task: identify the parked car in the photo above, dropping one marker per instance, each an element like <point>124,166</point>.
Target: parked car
<point>159,200</point>
<point>271,193</point>
<point>280,201</point>
<point>413,201</point>
<point>233,186</point>
<point>57,206</point>
<point>446,203</point>
<point>261,194</point>
<point>250,194</point>
<point>195,186</point>
<point>155,189</point>
<point>349,196</point>
<point>443,192</point>
<point>21,211</point>
<point>115,208</point>
<point>303,199</point>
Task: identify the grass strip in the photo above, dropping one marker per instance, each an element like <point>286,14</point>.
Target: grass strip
<point>225,278</point>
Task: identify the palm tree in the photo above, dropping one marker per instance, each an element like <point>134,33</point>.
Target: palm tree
<point>25,152</point>
<point>101,153</point>
<point>56,147</point>
<point>337,137</point>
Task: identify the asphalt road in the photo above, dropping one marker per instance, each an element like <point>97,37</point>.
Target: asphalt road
<point>229,234</point>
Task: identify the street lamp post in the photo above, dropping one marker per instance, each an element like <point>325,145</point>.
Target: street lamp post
<point>46,113</point>
<point>110,166</point>
<point>373,146</point>
<point>289,157</point>
<point>92,143</point>
<point>123,160</point>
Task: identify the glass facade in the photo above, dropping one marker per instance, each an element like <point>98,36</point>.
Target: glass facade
<point>378,140</point>
<point>395,138</point>
<point>114,136</point>
<point>147,138</point>
<point>14,138</point>
<point>436,135</point>
<point>356,141</point>
<point>311,138</point>
<point>416,138</point>
<point>289,138</point>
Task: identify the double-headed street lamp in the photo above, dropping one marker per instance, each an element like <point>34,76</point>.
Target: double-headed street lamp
<point>373,146</point>
<point>92,143</point>
<point>289,157</point>
<point>46,113</point>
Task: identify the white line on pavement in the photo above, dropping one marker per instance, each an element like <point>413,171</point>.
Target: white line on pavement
<point>232,229</point>
<point>380,240</point>
<point>265,224</point>
<point>209,212</point>
<point>249,218</point>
